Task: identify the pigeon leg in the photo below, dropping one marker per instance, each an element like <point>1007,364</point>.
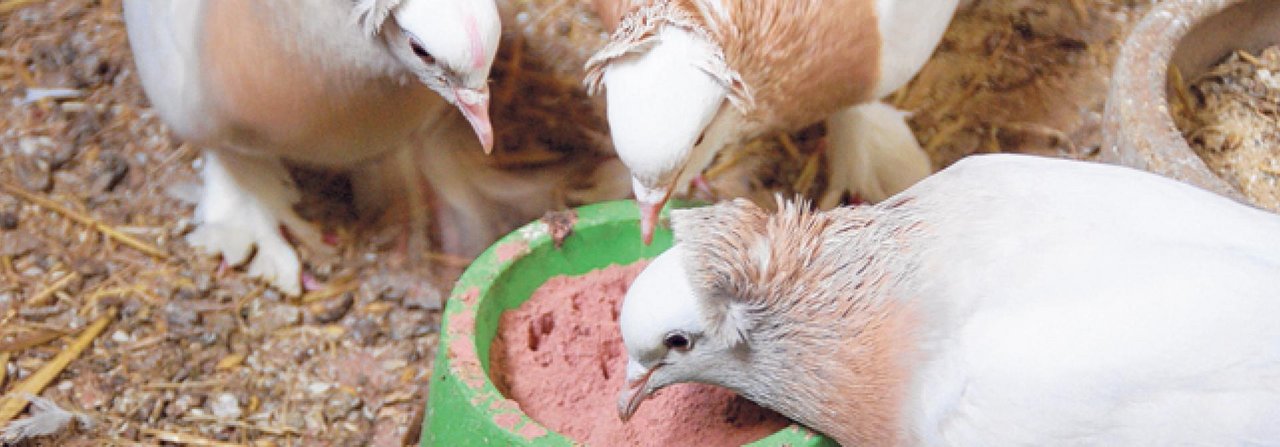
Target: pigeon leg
<point>872,154</point>
<point>395,192</point>
<point>416,239</point>
<point>246,204</point>
<point>703,188</point>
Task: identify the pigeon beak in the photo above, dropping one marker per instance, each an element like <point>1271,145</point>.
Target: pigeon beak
<point>474,105</point>
<point>635,391</point>
<point>650,201</point>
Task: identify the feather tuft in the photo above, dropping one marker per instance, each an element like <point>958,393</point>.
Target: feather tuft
<point>713,229</point>
<point>636,33</point>
<point>748,264</point>
<point>371,15</point>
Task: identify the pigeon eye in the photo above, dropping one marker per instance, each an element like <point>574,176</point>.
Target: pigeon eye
<point>421,52</point>
<point>678,341</point>
<point>700,138</point>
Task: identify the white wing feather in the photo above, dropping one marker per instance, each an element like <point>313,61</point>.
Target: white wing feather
<point>1108,307</point>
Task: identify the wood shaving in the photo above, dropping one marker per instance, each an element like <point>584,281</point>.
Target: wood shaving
<point>1231,117</point>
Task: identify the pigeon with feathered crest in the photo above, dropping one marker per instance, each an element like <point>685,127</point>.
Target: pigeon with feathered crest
<point>684,79</point>
<point>1007,300</point>
<point>358,85</point>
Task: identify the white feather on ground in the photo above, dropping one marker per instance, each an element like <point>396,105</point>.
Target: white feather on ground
<point>46,418</point>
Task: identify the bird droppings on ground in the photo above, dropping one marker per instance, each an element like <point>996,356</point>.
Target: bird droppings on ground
<point>1231,117</point>
<point>560,356</point>
<point>108,201</point>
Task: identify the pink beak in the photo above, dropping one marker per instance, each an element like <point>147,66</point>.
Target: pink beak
<point>474,105</point>
<point>649,219</point>
<point>633,394</point>
<point>650,200</point>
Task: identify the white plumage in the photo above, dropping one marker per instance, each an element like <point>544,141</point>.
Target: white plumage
<point>1091,304</point>
<point>364,86</point>
<point>1007,300</point>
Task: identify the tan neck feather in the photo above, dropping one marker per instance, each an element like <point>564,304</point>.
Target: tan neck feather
<point>801,60</point>
<point>826,305</point>
<point>610,12</point>
<point>639,28</point>
<point>855,390</point>
<point>787,63</point>
<point>858,390</point>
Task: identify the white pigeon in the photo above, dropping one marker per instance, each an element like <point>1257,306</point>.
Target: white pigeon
<point>685,79</point>
<point>1007,300</point>
<point>357,85</point>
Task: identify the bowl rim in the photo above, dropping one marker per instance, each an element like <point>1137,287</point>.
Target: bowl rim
<point>1137,129</point>
<point>459,366</point>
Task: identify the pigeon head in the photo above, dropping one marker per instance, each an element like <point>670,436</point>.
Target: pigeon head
<point>449,45</point>
<point>786,309</point>
<point>672,333</point>
<point>664,332</point>
<point>669,103</point>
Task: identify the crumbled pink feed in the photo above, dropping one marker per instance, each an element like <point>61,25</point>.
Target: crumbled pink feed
<point>560,355</point>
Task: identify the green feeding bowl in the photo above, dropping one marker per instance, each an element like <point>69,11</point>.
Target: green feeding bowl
<point>464,407</point>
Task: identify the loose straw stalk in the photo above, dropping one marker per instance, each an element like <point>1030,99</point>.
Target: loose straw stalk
<point>87,221</point>
<point>4,366</point>
<point>9,6</point>
<point>14,402</point>
<point>40,298</point>
<point>185,439</point>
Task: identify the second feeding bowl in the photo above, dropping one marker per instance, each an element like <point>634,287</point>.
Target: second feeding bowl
<point>1193,36</point>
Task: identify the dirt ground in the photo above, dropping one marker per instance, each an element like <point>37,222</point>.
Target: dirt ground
<point>106,312</point>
